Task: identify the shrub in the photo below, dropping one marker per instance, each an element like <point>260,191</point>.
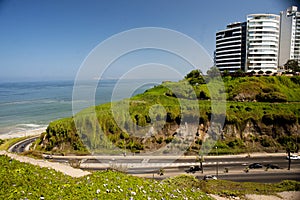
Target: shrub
<point>265,141</point>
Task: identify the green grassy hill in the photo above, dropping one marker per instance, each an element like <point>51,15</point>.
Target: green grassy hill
<point>262,114</point>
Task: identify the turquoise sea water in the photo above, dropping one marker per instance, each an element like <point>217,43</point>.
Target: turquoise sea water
<point>32,105</point>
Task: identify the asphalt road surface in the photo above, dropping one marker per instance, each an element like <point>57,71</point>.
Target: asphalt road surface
<point>149,166</point>
<point>20,147</point>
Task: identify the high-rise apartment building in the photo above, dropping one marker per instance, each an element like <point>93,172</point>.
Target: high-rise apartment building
<point>289,35</point>
<point>230,51</point>
<point>262,42</point>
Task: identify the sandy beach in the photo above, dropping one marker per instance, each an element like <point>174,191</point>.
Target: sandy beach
<point>23,133</point>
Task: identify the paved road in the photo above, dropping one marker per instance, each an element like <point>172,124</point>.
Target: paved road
<point>263,177</point>
<point>148,166</point>
<point>235,166</point>
<point>21,146</point>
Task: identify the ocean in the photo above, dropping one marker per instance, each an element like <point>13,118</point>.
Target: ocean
<point>27,106</point>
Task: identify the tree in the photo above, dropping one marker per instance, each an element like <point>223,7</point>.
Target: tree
<point>253,72</point>
<point>195,77</point>
<point>260,72</point>
<point>268,72</point>
<point>225,73</point>
<point>292,65</point>
<point>213,72</point>
<point>239,73</point>
<point>291,147</point>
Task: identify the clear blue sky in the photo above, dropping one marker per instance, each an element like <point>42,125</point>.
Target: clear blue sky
<point>49,39</point>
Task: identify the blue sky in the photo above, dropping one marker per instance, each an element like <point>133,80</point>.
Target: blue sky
<point>49,39</point>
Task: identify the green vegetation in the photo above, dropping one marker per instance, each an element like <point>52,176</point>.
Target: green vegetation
<point>292,65</point>
<point>1,142</point>
<point>21,180</point>
<point>61,135</point>
<point>229,188</point>
<point>260,112</point>
<point>263,89</point>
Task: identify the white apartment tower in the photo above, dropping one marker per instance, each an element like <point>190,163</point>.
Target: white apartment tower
<point>289,35</point>
<point>262,42</point>
<point>231,47</point>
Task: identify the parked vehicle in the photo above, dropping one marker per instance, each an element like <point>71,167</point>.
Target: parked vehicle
<point>255,166</point>
<point>210,177</point>
<point>293,157</point>
<point>272,166</point>
<point>193,169</point>
<point>47,156</point>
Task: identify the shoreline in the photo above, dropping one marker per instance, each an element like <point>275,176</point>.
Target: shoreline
<point>23,133</point>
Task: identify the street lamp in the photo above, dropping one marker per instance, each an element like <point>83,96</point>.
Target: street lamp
<point>217,167</point>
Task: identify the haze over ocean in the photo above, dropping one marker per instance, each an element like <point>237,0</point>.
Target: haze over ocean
<point>32,105</point>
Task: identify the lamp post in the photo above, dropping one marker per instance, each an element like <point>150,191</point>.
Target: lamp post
<point>124,147</point>
<point>217,167</point>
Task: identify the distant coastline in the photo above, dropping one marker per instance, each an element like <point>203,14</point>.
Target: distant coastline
<point>23,133</point>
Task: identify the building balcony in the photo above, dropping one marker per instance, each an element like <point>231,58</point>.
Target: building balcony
<point>233,67</point>
<point>266,63</point>
<point>228,59</point>
<point>259,49</point>
<point>227,50</point>
<point>227,38</point>
<point>229,55</point>
<point>228,63</point>
<point>238,46</point>
<point>233,42</point>
<point>263,38</point>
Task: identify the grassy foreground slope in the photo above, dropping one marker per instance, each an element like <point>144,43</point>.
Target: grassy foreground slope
<point>25,181</point>
<point>262,113</point>
<point>21,181</point>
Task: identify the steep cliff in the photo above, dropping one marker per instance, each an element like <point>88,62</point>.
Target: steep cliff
<point>262,113</point>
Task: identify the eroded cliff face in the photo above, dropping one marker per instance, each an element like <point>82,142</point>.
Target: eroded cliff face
<point>260,136</point>
<point>263,135</point>
<point>252,135</point>
<point>257,128</point>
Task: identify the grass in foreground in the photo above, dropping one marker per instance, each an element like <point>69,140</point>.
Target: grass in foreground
<point>19,181</point>
<point>229,188</point>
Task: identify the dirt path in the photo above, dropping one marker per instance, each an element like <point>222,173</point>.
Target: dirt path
<point>64,168</point>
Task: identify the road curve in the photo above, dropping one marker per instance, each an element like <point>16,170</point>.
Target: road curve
<point>21,146</point>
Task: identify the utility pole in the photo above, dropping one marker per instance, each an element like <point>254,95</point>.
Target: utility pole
<point>201,163</point>
<point>124,147</point>
<point>289,158</point>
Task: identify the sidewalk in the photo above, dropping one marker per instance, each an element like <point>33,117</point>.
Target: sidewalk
<point>66,169</point>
